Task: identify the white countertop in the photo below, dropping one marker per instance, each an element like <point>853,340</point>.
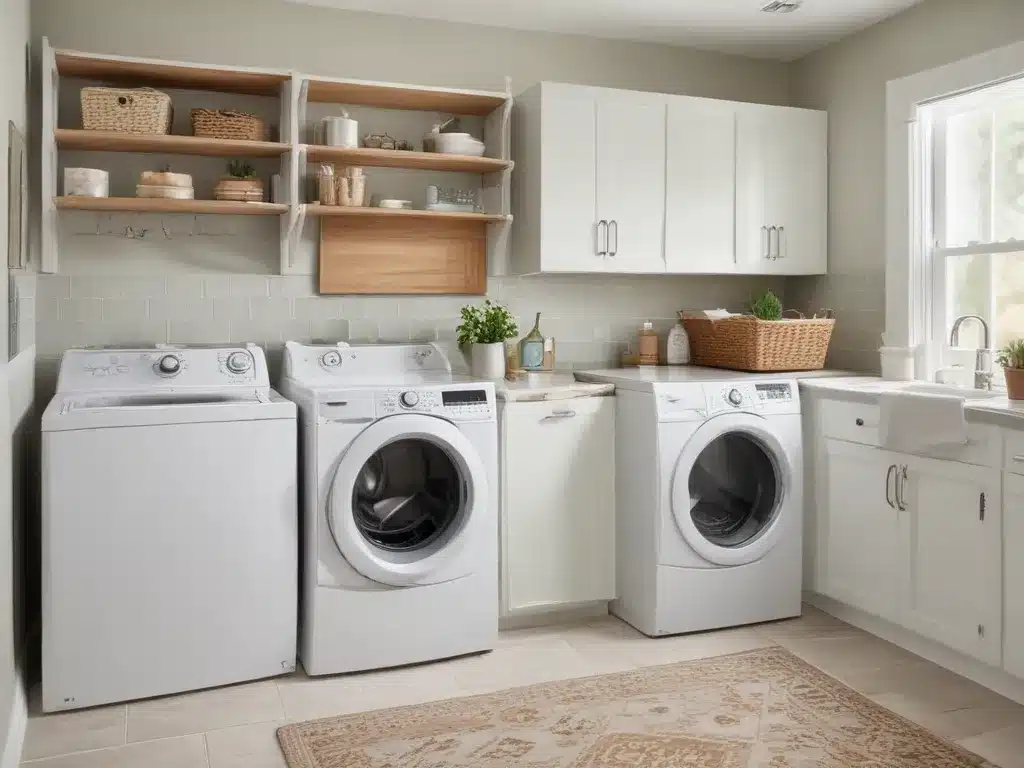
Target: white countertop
<point>644,378</point>
<point>549,386</point>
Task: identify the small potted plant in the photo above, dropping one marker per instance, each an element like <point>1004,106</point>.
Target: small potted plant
<point>767,307</point>
<point>1011,357</point>
<point>484,330</point>
<point>240,184</point>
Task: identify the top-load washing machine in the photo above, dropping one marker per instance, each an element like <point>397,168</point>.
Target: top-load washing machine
<point>399,497</point>
<point>709,498</point>
<point>169,524</point>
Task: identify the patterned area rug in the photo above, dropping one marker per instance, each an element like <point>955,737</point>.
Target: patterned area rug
<point>763,709</point>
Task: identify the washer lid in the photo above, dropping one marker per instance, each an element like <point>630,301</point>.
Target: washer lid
<point>408,502</point>
<point>728,489</point>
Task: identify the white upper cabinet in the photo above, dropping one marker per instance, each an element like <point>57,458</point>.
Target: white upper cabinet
<point>781,190</point>
<point>629,182</point>
<point>700,193</point>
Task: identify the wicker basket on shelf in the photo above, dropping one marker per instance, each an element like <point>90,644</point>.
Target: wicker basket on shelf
<point>744,343</point>
<point>224,124</point>
<point>126,110</point>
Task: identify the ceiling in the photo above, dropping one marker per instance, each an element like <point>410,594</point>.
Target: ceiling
<point>732,26</point>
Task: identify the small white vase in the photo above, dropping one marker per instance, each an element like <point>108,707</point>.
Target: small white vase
<point>487,361</point>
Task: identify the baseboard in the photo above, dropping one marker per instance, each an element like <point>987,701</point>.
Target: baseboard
<point>993,678</point>
<point>545,617</point>
<point>16,726</point>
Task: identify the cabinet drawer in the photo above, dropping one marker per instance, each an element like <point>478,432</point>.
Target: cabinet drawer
<point>1014,455</point>
<point>853,422</point>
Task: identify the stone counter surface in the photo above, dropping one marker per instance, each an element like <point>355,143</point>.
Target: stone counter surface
<point>536,387</point>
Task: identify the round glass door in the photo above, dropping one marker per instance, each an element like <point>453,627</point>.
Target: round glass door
<point>407,495</point>
<point>734,490</point>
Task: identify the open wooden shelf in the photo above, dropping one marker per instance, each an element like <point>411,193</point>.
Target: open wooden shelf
<point>404,97</point>
<point>157,205</point>
<point>168,144</point>
<point>159,74</point>
<point>393,158</point>
<point>401,213</point>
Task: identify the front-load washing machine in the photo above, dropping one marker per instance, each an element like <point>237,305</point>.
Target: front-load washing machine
<point>709,498</point>
<point>399,498</point>
<point>169,524</point>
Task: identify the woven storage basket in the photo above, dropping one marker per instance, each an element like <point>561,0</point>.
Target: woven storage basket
<point>126,110</point>
<point>223,124</point>
<point>745,343</point>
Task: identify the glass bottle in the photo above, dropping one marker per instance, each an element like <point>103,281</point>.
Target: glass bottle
<point>531,348</point>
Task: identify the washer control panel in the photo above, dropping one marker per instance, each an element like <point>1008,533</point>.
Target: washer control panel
<point>468,404</point>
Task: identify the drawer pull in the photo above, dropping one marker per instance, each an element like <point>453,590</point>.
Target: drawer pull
<point>555,415</point>
<point>860,422</point>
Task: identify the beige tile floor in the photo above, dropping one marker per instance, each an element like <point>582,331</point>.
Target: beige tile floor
<point>235,726</point>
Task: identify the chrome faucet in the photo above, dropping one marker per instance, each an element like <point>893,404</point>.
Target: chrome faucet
<point>983,359</point>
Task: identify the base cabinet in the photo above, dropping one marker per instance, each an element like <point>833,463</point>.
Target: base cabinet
<point>557,503</point>
<point>1013,552</point>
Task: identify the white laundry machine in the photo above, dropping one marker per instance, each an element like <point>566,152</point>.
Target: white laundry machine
<point>399,497</point>
<point>709,498</point>
<point>169,524</point>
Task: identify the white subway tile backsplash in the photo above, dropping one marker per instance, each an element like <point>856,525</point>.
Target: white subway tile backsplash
<point>198,332</point>
<point>117,286</point>
<point>248,285</point>
<point>293,286</point>
<point>126,310</point>
<point>53,287</point>
<point>328,330</point>
<point>230,308</point>
<point>194,310</point>
<point>184,287</point>
<point>327,308</point>
<point>270,309</point>
<point>24,286</point>
<point>81,310</point>
<point>362,331</point>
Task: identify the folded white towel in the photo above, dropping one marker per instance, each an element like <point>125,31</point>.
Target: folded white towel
<point>911,422</point>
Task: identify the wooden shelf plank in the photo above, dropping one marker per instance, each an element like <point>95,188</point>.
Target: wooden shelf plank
<point>383,213</point>
<point>109,141</point>
<point>157,205</point>
<point>165,74</point>
<point>391,158</point>
<point>404,97</point>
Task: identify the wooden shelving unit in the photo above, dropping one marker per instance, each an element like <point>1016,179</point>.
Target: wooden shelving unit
<point>104,141</point>
<point>157,205</point>
<point>386,96</point>
<point>390,158</point>
<point>399,213</point>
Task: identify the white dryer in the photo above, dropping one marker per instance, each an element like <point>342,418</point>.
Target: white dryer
<point>709,498</point>
<point>169,524</point>
<point>399,498</point>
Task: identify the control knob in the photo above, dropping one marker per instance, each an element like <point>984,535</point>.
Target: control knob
<point>239,362</point>
<point>735,396</point>
<point>331,359</point>
<point>409,399</point>
<point>169,365</point>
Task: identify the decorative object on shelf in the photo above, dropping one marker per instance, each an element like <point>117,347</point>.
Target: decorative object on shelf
<point>227,124</point>
<point>1011,357</point>
<point>351,185</point>
<point>165,185</point>
<point>452,199</point>
<point>531,348</point>
<point>276,195</point>
<point>458,144</point>
<point>126,110</point>
<point>86,182</point>
<point>429,141</point>
<point>485,329</point>
<point>385,141</point>
<point>746,343</point>
<point>387,202</point>
<point>677,348</point>
<point>647,345</point>
<point>340,131</point>
<point>327,191</point>
<point>240,185</point>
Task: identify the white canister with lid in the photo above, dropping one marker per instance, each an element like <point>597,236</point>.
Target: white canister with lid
<point>341,131</point>
<point>86,182</point>
<point>677,350</point>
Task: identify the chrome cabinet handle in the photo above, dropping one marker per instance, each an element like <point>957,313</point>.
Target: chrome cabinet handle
<point>778,243</point>
<point>888,477</point>
<point>771,255</point>
<point>604,251</point>
<point>614,223</point>
<point>766,242</point>
<point>556,415</point>
<point>901,479</point>
<point>1018,458</point>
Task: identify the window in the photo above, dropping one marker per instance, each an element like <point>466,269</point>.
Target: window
<point>974,215</point>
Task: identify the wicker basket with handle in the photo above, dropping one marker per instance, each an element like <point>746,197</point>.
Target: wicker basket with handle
<point>126,110</point>
<point>224,124</point>
<point>744,343</point>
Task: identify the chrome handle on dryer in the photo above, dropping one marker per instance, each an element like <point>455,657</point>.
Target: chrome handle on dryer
<point>558,415</point>
<point>615,223</point>
<point>888,477</point>
<point>354,420</point>
<point>597,236</point>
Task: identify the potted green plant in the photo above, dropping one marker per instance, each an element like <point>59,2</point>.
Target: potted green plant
<point>766,307</point>
<point>1011,357</point>
<point>484,330</point>
<point>240,184</point>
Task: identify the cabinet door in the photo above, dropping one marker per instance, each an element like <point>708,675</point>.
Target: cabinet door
<point>558,511</point>
<point>863,549</point>
<point>569,237</point>
<point>1013,578</point>
<point>631,179</point>
<point>700,186</point>
<point>952,533</point>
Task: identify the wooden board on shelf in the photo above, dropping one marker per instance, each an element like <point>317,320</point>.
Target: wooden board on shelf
<point>167,144</point>
<point>368,212</point>
<point>404,97</point>
<point>393,158</point>
<point>160,74</point>
<point>158,205</point>
<point>403,256</point>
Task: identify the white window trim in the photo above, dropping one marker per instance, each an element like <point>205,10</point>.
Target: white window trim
<point>908,271</point>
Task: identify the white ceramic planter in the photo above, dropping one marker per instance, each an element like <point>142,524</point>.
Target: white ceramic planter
<point>487,361</point>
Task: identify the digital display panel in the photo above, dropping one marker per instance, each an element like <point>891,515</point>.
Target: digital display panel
<point>773,391</point>
<point>464,397</point>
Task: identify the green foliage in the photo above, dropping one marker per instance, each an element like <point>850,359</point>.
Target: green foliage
<point>767,307</point>
<point>1012,355</point>
<point>488,324</point>
<point>240,169</point>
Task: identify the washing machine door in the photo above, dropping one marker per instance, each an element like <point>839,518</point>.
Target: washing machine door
<point>408,497</point>
<point>728,490</point>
